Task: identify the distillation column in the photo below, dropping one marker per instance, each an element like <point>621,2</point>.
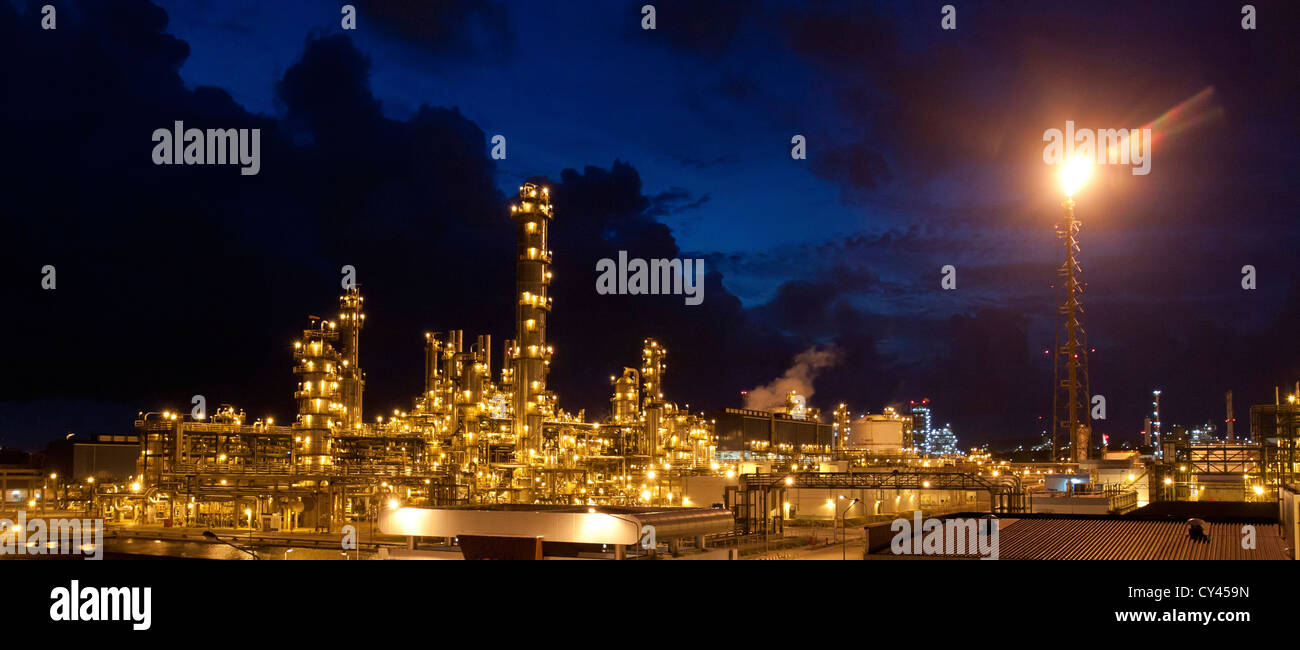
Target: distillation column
<point>317,363</point>
<point>531,355</point>
<point>351,380</point>
<point>652,377</point>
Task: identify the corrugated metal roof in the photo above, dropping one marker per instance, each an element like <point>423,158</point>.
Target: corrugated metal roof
<point>1116,539</point>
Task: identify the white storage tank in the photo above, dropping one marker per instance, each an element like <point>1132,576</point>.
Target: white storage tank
<point>876,433</point>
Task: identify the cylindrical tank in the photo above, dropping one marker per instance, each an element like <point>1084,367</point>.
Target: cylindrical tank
<point>875,432</point>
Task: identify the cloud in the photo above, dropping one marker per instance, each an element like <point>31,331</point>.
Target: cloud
<point>456,29</point>
<point>855,168</point>
<point>703,28</point>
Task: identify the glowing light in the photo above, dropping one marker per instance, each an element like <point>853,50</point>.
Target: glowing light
<point>1074,173</point>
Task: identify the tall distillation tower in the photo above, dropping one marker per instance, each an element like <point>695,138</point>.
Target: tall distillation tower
<point>1070,416</point>
<point>351,380</point>
<point>530,355</point>
<point>653,365</point>
<point>317,364</point>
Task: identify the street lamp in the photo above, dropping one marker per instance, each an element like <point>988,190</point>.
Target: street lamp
<point>844,548</point>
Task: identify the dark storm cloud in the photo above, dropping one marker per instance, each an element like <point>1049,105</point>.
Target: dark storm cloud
<point>703,28</point>
<point>855,168</point>
<point>174,281</point>
<point>706,162</point>
<point>674,201</point>
<point>459,29</point>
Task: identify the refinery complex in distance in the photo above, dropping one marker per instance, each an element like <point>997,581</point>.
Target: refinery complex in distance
<point>486,463</point>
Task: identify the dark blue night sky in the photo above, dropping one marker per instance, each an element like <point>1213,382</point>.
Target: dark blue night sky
<point>924,150</point>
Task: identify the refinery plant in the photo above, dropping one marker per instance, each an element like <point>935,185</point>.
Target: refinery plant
<point>485,448</point>
<point>477,434</point>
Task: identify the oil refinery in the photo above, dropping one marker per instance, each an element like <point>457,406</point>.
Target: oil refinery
<point>483,435</point>
<point>485,453</point>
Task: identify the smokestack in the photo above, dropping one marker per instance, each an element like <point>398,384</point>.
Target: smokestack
<point>1231,437</point>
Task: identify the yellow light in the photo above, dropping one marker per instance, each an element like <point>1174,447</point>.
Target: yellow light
<point>1169,481</point>
<point>135,487</point>
<point>392,504</point>
<point>1259,489</point>
<point>1074,173</point>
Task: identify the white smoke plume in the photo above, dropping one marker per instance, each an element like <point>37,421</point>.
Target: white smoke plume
<point>799,378</point>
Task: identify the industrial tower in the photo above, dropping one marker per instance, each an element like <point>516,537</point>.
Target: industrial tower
<point>530,355</point>
<point>351,379</point>
<point>1155,421</point>
<point>652,375</point>
<point>1070,416</point>
<point>318,392</point>
<point>1230,420</point>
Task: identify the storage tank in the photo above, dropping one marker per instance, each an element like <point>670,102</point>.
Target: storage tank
<point>876,433</point>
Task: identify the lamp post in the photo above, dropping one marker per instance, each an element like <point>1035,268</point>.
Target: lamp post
<point>844,524</point>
